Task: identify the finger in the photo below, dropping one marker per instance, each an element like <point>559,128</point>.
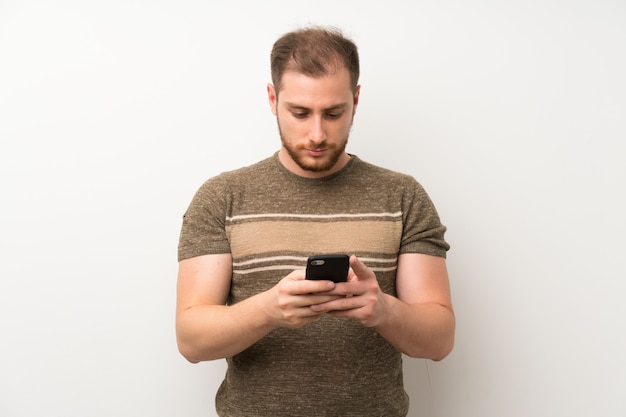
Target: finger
<point>312,287</point>
<point>297,275</point>
<point>340,304</point>
<point>301,285</point>
<point>361,271</point>
<point>322,299</point>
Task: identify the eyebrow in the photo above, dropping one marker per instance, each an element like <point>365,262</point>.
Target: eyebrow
<point>334,107</point>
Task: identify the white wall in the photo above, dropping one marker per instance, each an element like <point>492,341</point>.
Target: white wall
<point>511,114</point>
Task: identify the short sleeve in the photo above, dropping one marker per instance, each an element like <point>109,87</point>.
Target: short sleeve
<point>422,229</point>
<point>203,228</point>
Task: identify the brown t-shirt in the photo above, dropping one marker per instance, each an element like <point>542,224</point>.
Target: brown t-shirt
<point>271,220</point>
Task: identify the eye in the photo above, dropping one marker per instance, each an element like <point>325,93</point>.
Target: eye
<point>300,115</point>
<point>335,115</point>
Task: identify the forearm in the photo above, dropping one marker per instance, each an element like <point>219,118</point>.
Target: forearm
<point>421,330</point>
<point>208,332</point>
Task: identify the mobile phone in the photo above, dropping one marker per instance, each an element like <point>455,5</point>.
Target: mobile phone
<point>333,267</point>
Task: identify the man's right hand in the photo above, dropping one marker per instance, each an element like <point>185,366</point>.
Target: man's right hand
<point>289,302</point>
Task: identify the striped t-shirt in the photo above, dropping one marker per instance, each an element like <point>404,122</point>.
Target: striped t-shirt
<point>270,220</point>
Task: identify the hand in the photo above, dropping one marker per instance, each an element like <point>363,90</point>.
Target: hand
<point>361,299</point>
<point>289,302</point>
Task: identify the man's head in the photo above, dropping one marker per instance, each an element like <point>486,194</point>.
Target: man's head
<point>314,97</point>
<point>315,52</point>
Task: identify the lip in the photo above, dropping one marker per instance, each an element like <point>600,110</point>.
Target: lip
<point>316,152</point>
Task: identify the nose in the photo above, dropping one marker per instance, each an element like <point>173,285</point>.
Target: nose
<point>317,132</point>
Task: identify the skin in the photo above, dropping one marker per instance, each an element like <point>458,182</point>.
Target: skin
<point>314,117</point>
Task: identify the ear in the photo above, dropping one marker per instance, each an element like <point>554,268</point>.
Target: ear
<point>271,96</point>
<point>356,99</point>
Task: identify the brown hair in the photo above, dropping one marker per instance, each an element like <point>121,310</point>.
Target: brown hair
<point>314,51</point>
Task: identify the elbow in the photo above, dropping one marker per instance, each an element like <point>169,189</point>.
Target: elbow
<point>443,351</point>
<point>188,353</point>
<point>189,348</point>
<point>187,341</point>
<point>191,359</point>
<point>195,353</point>
<point>437,348</point>
<point>445,343</point>
<point>445,346</point>
<point>436,352</point>
<point>184,347</point>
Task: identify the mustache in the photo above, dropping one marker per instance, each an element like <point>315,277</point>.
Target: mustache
<point>315,147</point>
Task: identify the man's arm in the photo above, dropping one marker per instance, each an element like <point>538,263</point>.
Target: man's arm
<point>207,329</point>
<point>420,322</point>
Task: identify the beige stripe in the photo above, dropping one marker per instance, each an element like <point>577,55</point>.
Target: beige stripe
<point>267,268</point>
<point>301,259</point>
<point>294,267</point>
<point>397,214</point>
<point>371,236</point>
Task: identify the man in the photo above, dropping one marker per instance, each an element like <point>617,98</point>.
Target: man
<point>299,347</point>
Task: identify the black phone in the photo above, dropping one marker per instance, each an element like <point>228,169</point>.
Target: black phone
<point>332,267</point>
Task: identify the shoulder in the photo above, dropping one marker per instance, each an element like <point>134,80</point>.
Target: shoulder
<point>241,176</point>
<point>381,175</point>
<point>266,166</point>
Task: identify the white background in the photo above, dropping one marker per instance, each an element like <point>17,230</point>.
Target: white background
<point>510,113</point>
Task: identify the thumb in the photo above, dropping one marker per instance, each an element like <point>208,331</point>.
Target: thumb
<point>361,271</point>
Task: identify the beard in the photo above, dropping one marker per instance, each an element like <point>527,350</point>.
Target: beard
<point>311,163</point>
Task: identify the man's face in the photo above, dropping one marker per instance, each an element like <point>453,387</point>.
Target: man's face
<point>314,119</point>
